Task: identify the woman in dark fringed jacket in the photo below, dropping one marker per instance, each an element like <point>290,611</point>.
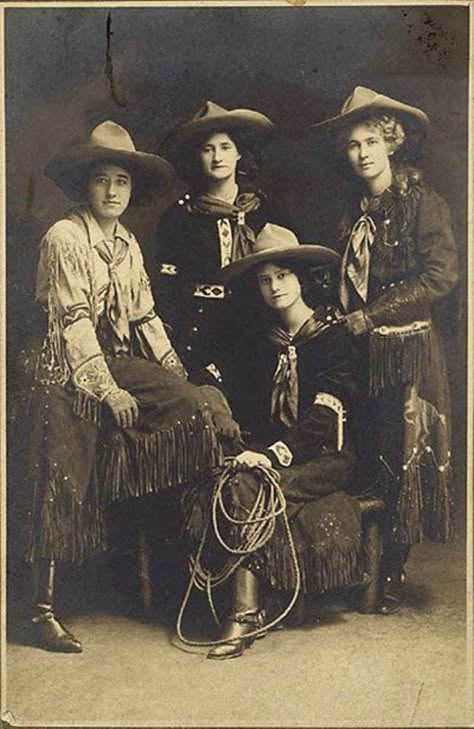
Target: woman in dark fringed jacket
<point>216,153</point>
<point>112,413</point>
<point>299,402</point>
<point>399,259</point>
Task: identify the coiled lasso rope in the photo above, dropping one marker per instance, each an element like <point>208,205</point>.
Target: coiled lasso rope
<point>255,532</point>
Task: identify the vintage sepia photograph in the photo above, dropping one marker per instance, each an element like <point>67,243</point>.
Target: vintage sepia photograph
<point>237,483</point>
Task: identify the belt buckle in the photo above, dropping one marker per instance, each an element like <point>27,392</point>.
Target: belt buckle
<point>209,291</point>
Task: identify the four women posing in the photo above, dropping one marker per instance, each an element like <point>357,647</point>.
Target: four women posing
<point>222,249</point>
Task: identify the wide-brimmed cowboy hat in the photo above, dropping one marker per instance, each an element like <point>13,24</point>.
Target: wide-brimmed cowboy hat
<point>275,243</point>
<point>110,142</point>
<point>361,104</point>
<point>212,117</point>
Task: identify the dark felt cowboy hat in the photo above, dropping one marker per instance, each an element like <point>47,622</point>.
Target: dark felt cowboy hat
<point>212,117</point>
<point>361,104</point>
<point>275,243</point>
<point>112,143</point>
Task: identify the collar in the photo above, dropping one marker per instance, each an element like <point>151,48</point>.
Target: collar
<point>94,231</point>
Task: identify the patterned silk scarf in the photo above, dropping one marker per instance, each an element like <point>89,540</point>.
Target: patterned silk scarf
<point>115,305</point>
<point>246,202</point>
<point>355,263</point>
<point>284,405</point>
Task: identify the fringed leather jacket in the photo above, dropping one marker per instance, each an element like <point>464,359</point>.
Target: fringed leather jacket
<point>99,304</point>
<point>413,259</point>
<point>413,263</point>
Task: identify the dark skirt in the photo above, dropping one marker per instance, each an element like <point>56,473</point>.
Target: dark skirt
<point>407,437</point>
<point>80,462</point>
<point>325,524</point>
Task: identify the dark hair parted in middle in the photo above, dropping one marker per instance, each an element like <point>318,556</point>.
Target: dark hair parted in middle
<point>316,284</point>
<point>188,163</point>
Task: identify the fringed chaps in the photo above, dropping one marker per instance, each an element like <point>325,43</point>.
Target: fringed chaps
<point>134,463</point>
<point>398,355</point>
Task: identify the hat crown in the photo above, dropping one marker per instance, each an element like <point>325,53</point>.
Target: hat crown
<point>361,96</point>
<point>208,110</point>
<point>274,237</point>
<point>110,135</point>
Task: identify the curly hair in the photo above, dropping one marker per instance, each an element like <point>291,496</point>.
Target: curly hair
<point>388,126</point>
<point>188,164</point>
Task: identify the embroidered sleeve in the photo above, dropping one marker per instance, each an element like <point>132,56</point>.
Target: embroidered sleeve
<point>65,283</point>
<point>321,426</point>
<point>282,453</point>
<point>333,403</point>
<point>172,363</point>
<point>156,346</point>
<point>170,280</point>
<point>93,377</point>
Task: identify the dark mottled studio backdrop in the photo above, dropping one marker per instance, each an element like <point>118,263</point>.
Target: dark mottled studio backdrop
<point>148,68</point>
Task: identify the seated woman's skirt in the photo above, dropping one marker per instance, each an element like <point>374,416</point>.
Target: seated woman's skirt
<point>324,521</point>
<point>81,462</point>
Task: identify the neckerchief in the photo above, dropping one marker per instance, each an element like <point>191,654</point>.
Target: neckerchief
<point>245,202</point>
<point>115,306</point>
<point>355,263</point>
<point>284,404</point>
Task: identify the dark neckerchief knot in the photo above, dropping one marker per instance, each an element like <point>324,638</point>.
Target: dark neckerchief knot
<point>285,388</point>
<point>245,202</point>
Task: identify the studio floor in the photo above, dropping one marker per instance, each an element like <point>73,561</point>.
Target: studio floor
<point>404,670</point>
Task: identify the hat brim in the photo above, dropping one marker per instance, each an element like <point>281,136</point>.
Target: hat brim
<point>242,119</point>
<point>415,123</point>
<point>410,114</point>
<point>152,173</point>
<point>316,256</point>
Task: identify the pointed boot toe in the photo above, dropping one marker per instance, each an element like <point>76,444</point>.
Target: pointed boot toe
<point>48,633</point>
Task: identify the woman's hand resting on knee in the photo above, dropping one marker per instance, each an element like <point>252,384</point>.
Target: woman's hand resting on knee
<point>124,407</point>
<point>252,459</point>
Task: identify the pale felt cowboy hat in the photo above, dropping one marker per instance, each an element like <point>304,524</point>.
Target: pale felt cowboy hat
<point>110,142</point>
<point>275,243</point>
<point>212,117</point>
<point>362,103</point>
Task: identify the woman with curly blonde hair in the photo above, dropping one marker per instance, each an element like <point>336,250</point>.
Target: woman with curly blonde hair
<point>399,259</point>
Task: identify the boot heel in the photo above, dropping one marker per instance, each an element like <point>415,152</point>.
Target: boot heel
<point>237,625</point>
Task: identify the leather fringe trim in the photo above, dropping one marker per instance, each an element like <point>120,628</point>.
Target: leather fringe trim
<point>137,464</point>
<point>64,529</point>
<point>425,508</point>
<point>398,357</point>
<point>321,570</point>
<point>87,407</point>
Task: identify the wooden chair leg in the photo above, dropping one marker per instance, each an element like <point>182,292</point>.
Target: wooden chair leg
<point>373,551</point>
<point>144,572</point>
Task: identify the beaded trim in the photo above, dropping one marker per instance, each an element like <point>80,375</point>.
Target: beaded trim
<point>168,269</point>
<point>414,327</point>
<point>282,452</point>
<point>93,376</point>
<point>332,402</point>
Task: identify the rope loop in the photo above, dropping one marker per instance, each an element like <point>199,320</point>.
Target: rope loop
<point>255,531</point>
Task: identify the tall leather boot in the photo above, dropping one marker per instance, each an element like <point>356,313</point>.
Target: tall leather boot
<point>244,618</point>
<point>46,630</point>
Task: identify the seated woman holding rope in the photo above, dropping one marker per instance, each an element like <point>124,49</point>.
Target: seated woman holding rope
<point>278,513</point>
